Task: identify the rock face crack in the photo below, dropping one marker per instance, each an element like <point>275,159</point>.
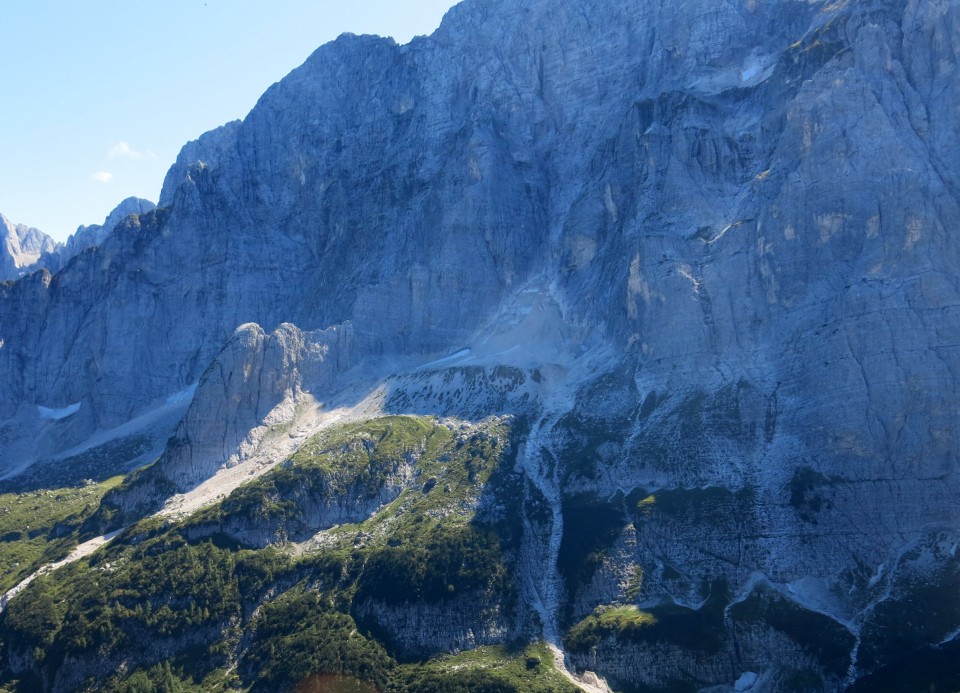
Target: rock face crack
<point>542,583</point>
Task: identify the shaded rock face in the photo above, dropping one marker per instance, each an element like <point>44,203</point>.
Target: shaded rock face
<point>462,623</point>
<point>749,208</point>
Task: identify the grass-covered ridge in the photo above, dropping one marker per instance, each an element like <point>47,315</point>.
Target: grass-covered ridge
<point>341,476</point>
<point>498,669</point>
<point>39,527</point>
<point>278,581</point>
<point>607,621</point>
<point>696,630</point>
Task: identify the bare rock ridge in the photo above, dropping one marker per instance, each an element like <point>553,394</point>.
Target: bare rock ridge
<point>711,248</point>
<point>27,249</point>
<point>94,234</point>
<point>21,247</point>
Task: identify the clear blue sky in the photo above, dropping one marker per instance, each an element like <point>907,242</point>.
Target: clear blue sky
<point>99,96</point>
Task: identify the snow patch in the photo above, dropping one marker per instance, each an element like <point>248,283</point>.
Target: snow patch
<point>162,416</point>
<point>950,638</point>
<point>723,232</point>
<point>57,414</point>
<point>746,681</point>
<point>812,593</point>
<point>877,576</point>
<point>757,69</point>
<point>448,359</point>
<point>749,71</point>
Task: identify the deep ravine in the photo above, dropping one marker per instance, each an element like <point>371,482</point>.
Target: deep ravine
<point>541,579</point>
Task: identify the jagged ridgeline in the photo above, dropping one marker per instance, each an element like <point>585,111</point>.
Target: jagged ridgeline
<point>580,344</point>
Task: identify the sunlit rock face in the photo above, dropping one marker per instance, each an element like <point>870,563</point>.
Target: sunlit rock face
<point>21,248</point>
<point>724,235</point>
<point>24,249</point>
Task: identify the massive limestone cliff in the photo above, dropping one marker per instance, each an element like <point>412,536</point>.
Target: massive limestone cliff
<point>716,240</point>
<point>250,394</point>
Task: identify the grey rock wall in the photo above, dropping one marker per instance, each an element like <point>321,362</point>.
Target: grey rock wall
<point>745,212</point>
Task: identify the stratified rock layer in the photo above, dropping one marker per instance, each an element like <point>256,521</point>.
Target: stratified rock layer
<point>718,240</point>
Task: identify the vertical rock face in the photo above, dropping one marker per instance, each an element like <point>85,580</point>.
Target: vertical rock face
<point>256,380</point>
<point>738,221</point>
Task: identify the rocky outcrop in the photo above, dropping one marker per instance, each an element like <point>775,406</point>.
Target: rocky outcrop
<point>452,625</point>
<point>470,392</point>
<point>257,380</point>
<point>254,386</point>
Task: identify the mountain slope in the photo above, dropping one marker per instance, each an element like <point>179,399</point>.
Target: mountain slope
<point>702,254</point>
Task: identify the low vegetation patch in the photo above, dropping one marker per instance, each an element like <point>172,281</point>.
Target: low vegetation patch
<point>697,630</point>
<point>607,621</point>
<point>498,669</point>
<point>39,527</point>
<point>219,615</point>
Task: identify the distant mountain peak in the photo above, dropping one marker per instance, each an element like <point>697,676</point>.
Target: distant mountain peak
<point>21,248</point>
<point>94,234</point>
